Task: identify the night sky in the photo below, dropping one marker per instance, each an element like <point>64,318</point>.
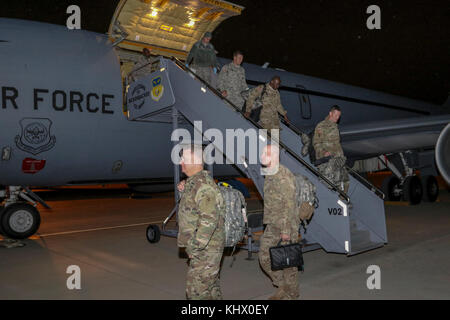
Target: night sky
<point>409,56</point>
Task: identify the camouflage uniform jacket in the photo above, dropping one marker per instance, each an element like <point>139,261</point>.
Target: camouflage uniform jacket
<point>202,56</point>
<point>271,103</point>
<point>201,215</point>
<point>279,201</point>
<point>327,139</point>
<point>232,79</point>
<point>142,67</point>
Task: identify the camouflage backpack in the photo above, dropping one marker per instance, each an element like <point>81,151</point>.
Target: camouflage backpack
<point>255,112</point>
<point>305,193</point>
<point>235,214</point>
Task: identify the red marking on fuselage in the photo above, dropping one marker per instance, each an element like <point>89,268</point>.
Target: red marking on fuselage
<point>30,165</point>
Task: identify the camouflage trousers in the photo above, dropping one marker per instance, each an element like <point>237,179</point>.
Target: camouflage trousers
<point>203,72</point>
<point>269,122</point>
<point>202,281</point>
<point>286,279</point>
<point>336,174</point>
<point>236,99</point>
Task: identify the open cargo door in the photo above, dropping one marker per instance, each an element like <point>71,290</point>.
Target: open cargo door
<point>168,27</point>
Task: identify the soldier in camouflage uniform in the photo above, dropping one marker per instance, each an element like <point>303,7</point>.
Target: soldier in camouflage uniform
<point>143,66</point>
<point>327,143</point>
<point>232,80</point>
<point>281,220</point>
<point>202,58</point>
<point>271,104</point>
<point>201,227</point>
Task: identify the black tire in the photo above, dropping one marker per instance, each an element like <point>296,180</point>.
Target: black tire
<point>1,229</point>
<point>430,188</point>
<point>412,190</point>
<point>389,185</point>
<point>20,221</point>
<point>153,233</point>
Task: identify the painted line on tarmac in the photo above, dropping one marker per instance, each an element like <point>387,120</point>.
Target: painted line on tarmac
<point>397,203</point>
<point>407,204</point>
<point>97,229</point>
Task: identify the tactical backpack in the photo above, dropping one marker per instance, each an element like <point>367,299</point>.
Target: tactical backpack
<point>235,214</point>
<point>255,112</point>
<point>305,194</point>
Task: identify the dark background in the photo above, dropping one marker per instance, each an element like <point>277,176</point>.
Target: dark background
<point>409,56</point>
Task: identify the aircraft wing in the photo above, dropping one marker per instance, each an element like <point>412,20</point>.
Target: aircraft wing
<point>370,139</point>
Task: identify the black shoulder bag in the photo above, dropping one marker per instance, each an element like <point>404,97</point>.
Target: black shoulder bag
<point>286,256</point>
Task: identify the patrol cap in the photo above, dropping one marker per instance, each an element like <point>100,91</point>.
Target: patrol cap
<point>207,35</point>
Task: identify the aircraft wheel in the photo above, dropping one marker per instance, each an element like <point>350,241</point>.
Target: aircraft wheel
<point>153,233</point>
<point>412,190</point>
<point>391,188</point>
<point>430,188</point>
<point>1,211</point>
<point>20,221</point>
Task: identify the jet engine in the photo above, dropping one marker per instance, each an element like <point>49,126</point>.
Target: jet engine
<point>442,153</point>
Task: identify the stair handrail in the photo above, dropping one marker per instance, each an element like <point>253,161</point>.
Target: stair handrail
<point>368,184</point>
<point>353,172</point>
<point>152,62</point>
<point>314,171</point>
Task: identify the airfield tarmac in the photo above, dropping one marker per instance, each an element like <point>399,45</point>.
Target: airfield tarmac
<point>103,232</point>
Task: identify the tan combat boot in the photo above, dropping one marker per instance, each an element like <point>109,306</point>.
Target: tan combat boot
<point>280,294</point>
<point>292,293</point>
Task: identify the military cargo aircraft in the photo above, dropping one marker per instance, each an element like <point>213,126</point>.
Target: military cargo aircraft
<point>62,119</point>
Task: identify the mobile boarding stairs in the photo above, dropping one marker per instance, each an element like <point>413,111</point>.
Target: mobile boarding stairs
<point>342,223</point>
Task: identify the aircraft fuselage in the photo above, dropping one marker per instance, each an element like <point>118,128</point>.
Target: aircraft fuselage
<point>61,116</point>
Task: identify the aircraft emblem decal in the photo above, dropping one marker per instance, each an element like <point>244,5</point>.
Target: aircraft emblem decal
<point>35,136</point>
<point>158,89</point>
<point>138,96</point>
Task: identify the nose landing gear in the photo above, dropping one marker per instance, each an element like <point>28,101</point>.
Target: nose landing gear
<point>19,221</point>
<point>19,218</point>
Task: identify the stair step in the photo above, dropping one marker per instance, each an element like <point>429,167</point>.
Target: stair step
<point>359,236</point>
<point>357,232</point>
<point>364,246</point>
<point>193,102</point>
